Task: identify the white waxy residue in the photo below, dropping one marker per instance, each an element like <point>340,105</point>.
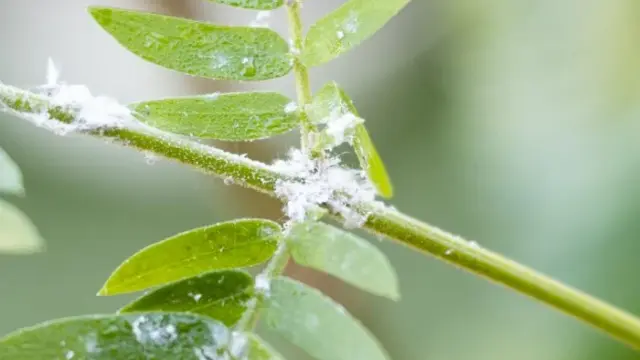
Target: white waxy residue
<point>262,284</point>
<point>291,107</point>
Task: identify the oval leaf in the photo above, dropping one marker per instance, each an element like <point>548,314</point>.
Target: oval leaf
<point>10,175</point>
<point>332,101</point>
<point>220,295</point>
<point>130,336</point>
<point>227,245</point>
<point>317,324</point>
<point>18,235</point>
<point>346,27</point>
<point>252,4</point>
<point>343,255</point>
<point>197,48</point>
<point>233,116</point>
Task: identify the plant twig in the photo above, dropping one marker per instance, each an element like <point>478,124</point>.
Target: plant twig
<point>380,219</point>
<point>278,262</point>
<point>301,74</point>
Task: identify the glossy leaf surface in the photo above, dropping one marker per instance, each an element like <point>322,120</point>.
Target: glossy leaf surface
<point>220,295</point>
<point>198,48</point>
<point>317,324</point>
<point>232,116</point>
<point>345,256</point>
<point>130,336</point>
<point>346,27</point>
<point>232,244</point>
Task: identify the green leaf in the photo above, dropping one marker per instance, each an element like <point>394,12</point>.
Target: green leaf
<point>371,161</point>
<point>252,4</point>
<point>130,336</point>
<point>220,295</point>
<point>18,235</point>
<point>10,175</point>
<point>232,116</point>
<point>259,350</point>
<point>232,244</point>
<point>332,101</point>
<point>317,324</point>
<point>198,48</point>
<point>346,27</point>
<point>346,256</point>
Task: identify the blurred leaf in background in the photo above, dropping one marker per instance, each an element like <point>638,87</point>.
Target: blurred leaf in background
<point>513,123</point>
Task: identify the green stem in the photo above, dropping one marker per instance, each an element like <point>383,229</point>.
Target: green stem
<point>278,262</point>
<point>275,268</point>
<point>303,89</point>
<point>381,220</point>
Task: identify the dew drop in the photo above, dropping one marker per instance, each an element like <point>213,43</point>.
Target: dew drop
<point>248,67</point>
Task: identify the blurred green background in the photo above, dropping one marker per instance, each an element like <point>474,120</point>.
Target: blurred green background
<point>513,123</point>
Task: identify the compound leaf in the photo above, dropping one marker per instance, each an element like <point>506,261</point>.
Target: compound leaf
<point>344,255</point>
<point>10,175</point>
<point>198,48</point>
<point>18,235</point>
<point>317,324</point>
<point>231,116</point>
<point>152,335</point>
<point>220,295</point>
<point>227,245</point>
<point>252,4</point>
<point>332,101</point>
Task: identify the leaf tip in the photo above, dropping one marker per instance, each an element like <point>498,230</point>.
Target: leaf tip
<point>385,189</point>
<point>101,14</point>
<point>104,291</point>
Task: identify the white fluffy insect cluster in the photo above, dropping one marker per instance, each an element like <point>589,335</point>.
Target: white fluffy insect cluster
<point>322,182</point>
<point>340,128</point>
<point>92,112</point>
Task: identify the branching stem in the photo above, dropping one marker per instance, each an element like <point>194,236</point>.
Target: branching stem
<point>278,262</point>
<point>380,219</point>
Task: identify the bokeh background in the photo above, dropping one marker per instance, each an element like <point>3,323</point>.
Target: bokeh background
<point>513,123</point>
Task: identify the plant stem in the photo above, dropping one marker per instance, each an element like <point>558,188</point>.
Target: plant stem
<point>380,219</point>
<point>274,268</point>
<point>278,262</point>
<point>303,89</point>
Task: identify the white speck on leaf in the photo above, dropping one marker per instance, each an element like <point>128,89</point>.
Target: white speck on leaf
<point>219,61</point>
<point>195,296</point>
<point>151,330</point>
<point>340,128</point>
<point>69,355</point>
<point>291,107</point>
<point>262,284</point>
<point>352,23</point>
